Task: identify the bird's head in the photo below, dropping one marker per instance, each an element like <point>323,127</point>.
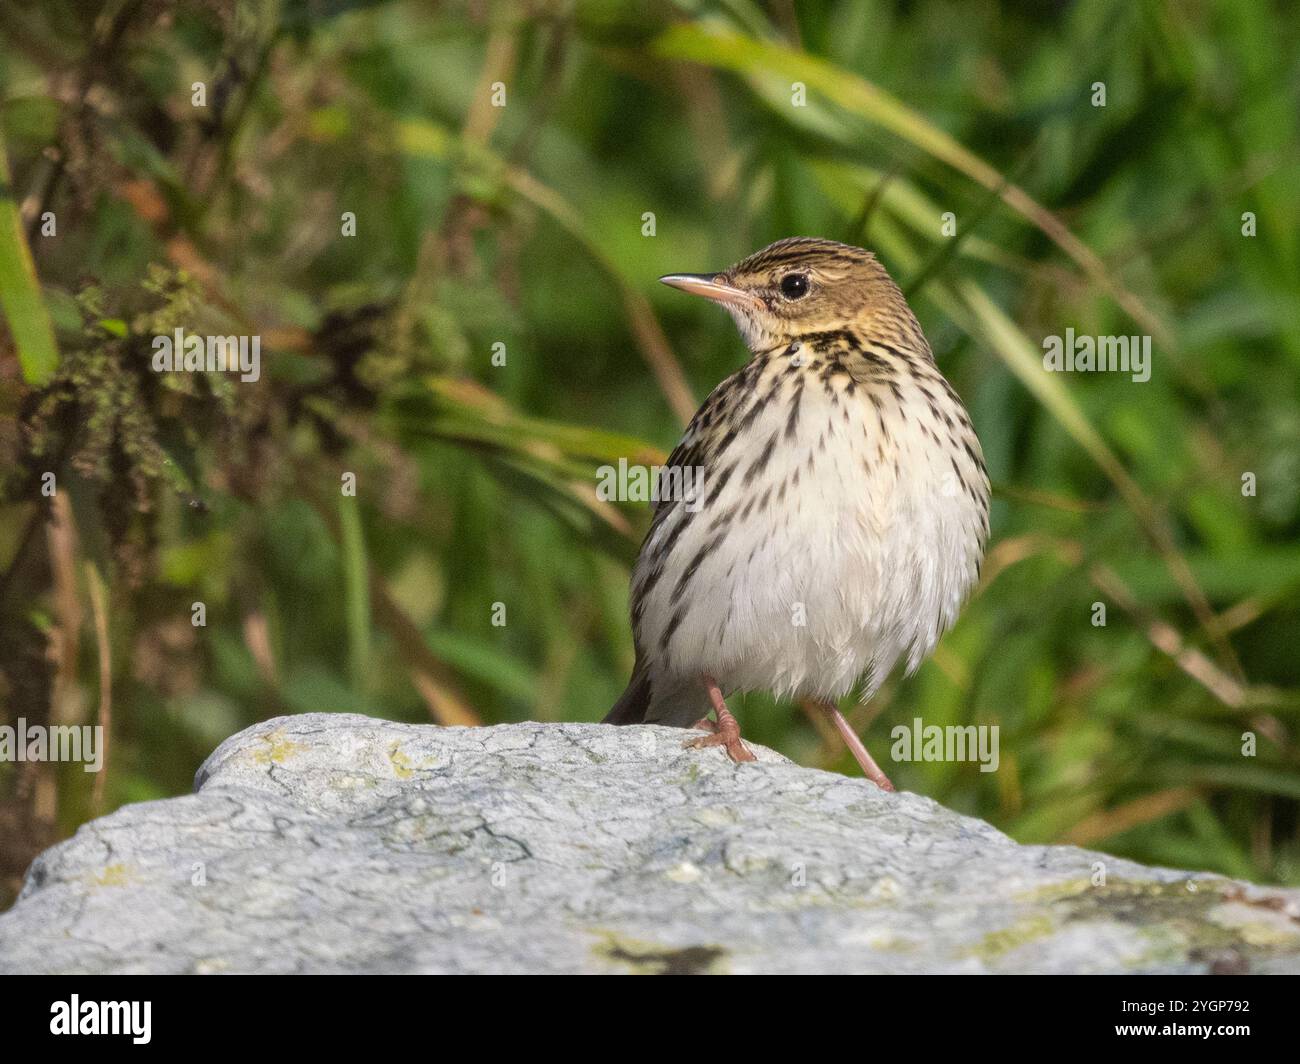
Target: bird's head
<point>799,287</point>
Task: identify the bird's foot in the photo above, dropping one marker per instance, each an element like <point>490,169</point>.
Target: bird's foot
<point>729,738</point>
<point>725,732</point>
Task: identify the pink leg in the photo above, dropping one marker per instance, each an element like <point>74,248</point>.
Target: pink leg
<point>726,733</point>
<point>869,767</point>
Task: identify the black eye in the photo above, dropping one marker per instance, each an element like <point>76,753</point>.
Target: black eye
<point>794,285</point>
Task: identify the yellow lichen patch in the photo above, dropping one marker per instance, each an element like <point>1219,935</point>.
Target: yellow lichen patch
<point>1068,888</point>
<point>277,750</point>
<point>1022,932</point>
<point>886,943</point>
<point>114,875</point>
<point>402,767</point>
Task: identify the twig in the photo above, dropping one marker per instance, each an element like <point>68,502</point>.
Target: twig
<point>61,539</point>
<point>1168,640</point>
<point>1108,822</point>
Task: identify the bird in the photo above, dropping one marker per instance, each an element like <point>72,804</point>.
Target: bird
<point>837,511</point>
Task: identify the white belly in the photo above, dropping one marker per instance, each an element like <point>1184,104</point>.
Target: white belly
<point>863,561</point>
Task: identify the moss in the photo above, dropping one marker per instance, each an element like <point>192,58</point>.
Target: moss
<point>1129,901</point>
<point>1185,917</point>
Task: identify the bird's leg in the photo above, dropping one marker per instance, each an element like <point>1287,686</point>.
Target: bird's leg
<point>859,752</point>
<point>726,732</point>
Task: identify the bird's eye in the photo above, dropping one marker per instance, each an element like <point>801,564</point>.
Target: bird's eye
<point>794,285</point>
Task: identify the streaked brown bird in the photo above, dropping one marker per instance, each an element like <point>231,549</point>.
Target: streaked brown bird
<point>839,504</point>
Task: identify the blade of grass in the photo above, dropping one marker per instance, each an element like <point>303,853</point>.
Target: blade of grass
<point>844,184</point>
<point>20,289</point>
<point>945,250</point>
<point>356,593</point>
<point>858,231</point>
<point>476,410</point>
<point>430,676</point>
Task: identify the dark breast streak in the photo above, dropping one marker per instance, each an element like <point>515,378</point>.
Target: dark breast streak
<point>838,362</point>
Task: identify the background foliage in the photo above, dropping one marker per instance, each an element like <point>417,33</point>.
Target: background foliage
<point>523,226</point>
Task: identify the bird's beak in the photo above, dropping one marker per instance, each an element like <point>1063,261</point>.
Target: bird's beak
<point>710,286</point>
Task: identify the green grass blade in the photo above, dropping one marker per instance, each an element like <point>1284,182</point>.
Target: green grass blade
<point>356,594</point>
<point>20,289</point>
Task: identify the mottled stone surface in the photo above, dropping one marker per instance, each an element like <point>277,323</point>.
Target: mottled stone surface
<point>331,843</point>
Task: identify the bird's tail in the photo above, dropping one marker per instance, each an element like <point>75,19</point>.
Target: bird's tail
<point>633,704</point>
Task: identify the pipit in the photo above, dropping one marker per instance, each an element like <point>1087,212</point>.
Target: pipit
<point>838,512</point>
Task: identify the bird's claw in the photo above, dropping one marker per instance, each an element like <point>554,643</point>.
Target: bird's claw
<point>728,738</point>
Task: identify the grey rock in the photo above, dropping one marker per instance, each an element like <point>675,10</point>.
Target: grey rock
<point>332,843</point>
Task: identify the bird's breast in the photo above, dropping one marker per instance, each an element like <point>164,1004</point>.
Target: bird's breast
<point>838,524</point>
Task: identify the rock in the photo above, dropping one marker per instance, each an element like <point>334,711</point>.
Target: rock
<point>332,843</point>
